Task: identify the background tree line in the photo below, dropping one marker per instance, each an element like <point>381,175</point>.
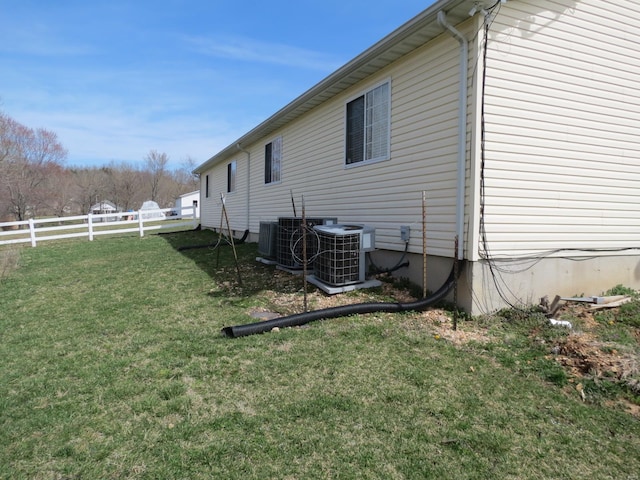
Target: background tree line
<point>34,182</point>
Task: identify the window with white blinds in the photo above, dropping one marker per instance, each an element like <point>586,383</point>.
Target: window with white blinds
<point>368,126</point>
<point>272,160</point>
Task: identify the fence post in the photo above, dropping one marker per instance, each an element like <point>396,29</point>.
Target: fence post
<point>32,232</point>
<point>140,223</point>
<point>195,218</point>
<point>90,225</point>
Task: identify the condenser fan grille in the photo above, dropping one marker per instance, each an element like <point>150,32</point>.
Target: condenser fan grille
<point>268,238</point>
<point>289,245</point>
<point>339,258</point>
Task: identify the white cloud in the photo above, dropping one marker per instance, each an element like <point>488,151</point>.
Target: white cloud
<point>250,50</point>
<point>39,40</point>
<point>98,137</point>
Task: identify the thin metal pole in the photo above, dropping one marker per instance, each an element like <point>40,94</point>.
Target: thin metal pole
<point>230,240</point>
<point>220,230</point>
<point>304,254</point>
<point>233,246</point>
<point>424,244</point>
<point>293,204</point>
<point>455,286</point>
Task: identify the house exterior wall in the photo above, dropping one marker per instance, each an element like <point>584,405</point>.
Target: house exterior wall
<point>562,116</point>
<point>554,181</point>
<point>386,194</point>
<point>562,153</point>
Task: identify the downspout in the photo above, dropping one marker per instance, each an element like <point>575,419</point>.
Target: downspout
<point>462,129</point>
<point>248,182</point>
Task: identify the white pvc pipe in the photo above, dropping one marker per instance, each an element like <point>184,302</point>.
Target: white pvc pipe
<point>462,129</point>
<point>239,147</point>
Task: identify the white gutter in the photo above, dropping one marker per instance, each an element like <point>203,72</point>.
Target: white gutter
<point>248,182</point>
<point>462,129</point>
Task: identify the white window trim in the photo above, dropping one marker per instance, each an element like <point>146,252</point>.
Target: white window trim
<point>361,93</point>
<point>274,139</point>
<point>235,176</point>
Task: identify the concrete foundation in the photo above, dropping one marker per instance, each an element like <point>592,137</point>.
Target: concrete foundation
<point>486,287</point>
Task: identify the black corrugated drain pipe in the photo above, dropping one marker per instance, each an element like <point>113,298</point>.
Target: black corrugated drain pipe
<point>343,311</point>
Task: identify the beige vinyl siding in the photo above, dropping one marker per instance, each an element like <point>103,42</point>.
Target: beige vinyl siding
<point>207,206</point>
<point>235,202</point>
<point>563,127</point>
<point>385,194</point>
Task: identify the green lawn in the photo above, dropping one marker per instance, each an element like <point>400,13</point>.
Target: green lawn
<point>112,366</point>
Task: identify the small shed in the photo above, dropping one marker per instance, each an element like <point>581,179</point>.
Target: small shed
<point>104,207</point>
<point>186,202</point>
<point>151,210</point>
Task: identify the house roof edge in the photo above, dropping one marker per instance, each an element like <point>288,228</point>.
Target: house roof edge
<point>409,36</point>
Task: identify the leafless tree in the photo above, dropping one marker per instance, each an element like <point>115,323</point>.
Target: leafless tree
<point>124,185</point>
<point>156,165</point>
<point>185,176</point>
<point>58,192</point>
<point>28,156</point>
<point>89,187</point>
<point>34,181</point>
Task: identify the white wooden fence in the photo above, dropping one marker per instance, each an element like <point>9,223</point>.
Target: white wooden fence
<point>41,229</point>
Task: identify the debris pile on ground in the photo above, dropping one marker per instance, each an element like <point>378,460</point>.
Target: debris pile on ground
<point>583,354</point>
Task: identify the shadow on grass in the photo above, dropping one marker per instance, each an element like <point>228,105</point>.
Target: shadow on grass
<point>216,259</point>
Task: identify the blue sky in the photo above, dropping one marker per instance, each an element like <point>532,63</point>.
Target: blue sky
<point>116,79</point>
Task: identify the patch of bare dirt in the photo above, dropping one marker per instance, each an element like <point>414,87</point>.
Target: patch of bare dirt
<point>286,295</point>
<point>583,354</point>
<point>444,328</point>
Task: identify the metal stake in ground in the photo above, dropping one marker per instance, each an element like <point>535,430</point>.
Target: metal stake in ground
<point>230,240</point>
<point>304,254</point>
<point>424,244</point>
<point>220,234</point>
<point>455,285</point>
<point>293,203</point>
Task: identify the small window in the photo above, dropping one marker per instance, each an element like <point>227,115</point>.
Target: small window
<point>272,160</point>
<point>206,186</point>
<point>368,126</point>
<point>231,177</point>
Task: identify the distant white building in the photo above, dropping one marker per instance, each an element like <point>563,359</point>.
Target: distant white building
<point>150,210</point>
<point>186,201</point>
<point>104,206</point>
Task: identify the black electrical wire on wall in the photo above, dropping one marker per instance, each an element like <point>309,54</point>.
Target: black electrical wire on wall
<point>498,265</point>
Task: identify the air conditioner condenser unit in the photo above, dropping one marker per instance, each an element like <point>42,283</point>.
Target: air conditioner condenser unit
<point>267,240</point>
<point>289,245</point>
<point>341,260</point>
